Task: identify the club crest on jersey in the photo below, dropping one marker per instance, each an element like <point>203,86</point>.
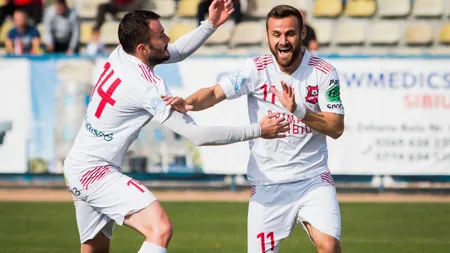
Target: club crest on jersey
<point>237,80</point>
<point>313,94</point>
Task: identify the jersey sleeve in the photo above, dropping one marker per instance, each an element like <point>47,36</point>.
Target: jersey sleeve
<point>190,42</point>
<point>152,102</point>
<point>330,94</point>
<point>184,125</point>
<point>241,81</point>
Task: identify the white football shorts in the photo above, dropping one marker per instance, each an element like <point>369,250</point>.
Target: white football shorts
<point>275,209</point>
<point>104,196</point>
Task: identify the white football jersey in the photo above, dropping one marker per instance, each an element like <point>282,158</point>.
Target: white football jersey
<point>303,153</point>
<point>126,97</point>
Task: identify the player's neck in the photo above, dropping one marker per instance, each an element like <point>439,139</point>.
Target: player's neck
<point>294,66</point>
<point>145,61</point>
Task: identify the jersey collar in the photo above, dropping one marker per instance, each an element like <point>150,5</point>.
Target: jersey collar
<point>134,60</point>
<point>303,64</point>
<point>130,57</point>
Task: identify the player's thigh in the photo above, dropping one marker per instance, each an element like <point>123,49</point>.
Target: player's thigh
<point>119,196</point>
<point>319,207</point>
<point>271,218</point>
<point>150,221</point>
<point>99,244</point>
<point>95,228</point>
<point>325,243</point>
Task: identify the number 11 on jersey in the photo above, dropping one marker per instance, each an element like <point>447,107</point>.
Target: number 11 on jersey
<point>265,89</point>
<point>105,95</point>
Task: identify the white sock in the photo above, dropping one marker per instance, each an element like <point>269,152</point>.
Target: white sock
<point>148,247</point>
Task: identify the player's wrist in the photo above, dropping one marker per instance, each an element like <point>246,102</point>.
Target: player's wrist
<point>209,24</point>
<point>293,107</point>
<point>299,111</point>
<point>256,129</point>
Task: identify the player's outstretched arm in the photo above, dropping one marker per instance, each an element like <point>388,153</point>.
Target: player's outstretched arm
<point>184,125</point>
<point>240,82</point>
<point>200,100</point>
<point>219,12</point>
<point>328,123</point>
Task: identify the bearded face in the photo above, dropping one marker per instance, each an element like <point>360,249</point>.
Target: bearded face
<point>284,36</point>
<point>157,49</point>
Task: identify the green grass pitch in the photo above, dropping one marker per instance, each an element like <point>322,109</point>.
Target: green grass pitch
<point>221,227</point>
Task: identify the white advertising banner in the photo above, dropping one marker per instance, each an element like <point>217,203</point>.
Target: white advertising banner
<point>397,116</point>
<point>15,115</point>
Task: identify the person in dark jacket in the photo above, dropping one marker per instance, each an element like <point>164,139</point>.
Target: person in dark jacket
<point>203,10</point>
<point>310,41</point>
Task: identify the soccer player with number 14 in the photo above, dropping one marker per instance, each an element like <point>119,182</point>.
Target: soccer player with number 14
<point>125,98</point>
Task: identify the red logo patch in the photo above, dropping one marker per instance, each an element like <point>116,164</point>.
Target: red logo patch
<point>313,94</point>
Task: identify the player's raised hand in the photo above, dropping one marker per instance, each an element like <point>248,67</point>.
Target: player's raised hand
<point>286,96</point>
<point>177,103</point>
<point>272,128</point>
<point>220,11</point>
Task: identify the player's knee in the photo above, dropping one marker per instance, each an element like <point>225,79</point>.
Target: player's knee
<point>328,245</point>
<point>162,230</point>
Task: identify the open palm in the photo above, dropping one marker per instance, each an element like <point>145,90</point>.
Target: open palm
<point>286,96</point>
<point>177,103</point>
<point>220,11</point>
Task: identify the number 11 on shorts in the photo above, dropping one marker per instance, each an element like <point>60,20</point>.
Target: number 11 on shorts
<point>262,236</point>
<point>136,184</point>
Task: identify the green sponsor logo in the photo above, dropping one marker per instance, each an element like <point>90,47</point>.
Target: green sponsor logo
<point>98,133</point>
<point>333,94</point>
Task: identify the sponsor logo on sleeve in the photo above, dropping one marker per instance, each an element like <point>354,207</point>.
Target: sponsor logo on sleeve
<point>335,106</point>
<point>156,102</point>
<point>334,81</point>
<point>237,80</point>
<point>333,94</point>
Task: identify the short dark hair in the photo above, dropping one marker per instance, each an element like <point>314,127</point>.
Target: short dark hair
<point>284,11</point>
<point>21,10</point>
<point>134,29</point>
<point>63,2</point>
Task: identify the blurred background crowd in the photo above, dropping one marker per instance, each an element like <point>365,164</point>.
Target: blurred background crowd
<point>333,26</point>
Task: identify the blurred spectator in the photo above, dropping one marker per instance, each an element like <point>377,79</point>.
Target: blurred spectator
<point>95,46</point>
<point>203,6</point>
<point>310,41</point>
<point>62,28</point>
<point>32,7</point>
<point>113,7</point>
<point>22,38</point>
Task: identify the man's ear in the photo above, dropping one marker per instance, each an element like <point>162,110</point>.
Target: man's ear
<point>140,49</point>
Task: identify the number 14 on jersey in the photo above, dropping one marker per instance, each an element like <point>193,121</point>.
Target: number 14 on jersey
<point>106,96</point>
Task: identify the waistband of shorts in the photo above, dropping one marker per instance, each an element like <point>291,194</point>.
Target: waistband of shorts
<point>301,177</point>
<point>72,166</point>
